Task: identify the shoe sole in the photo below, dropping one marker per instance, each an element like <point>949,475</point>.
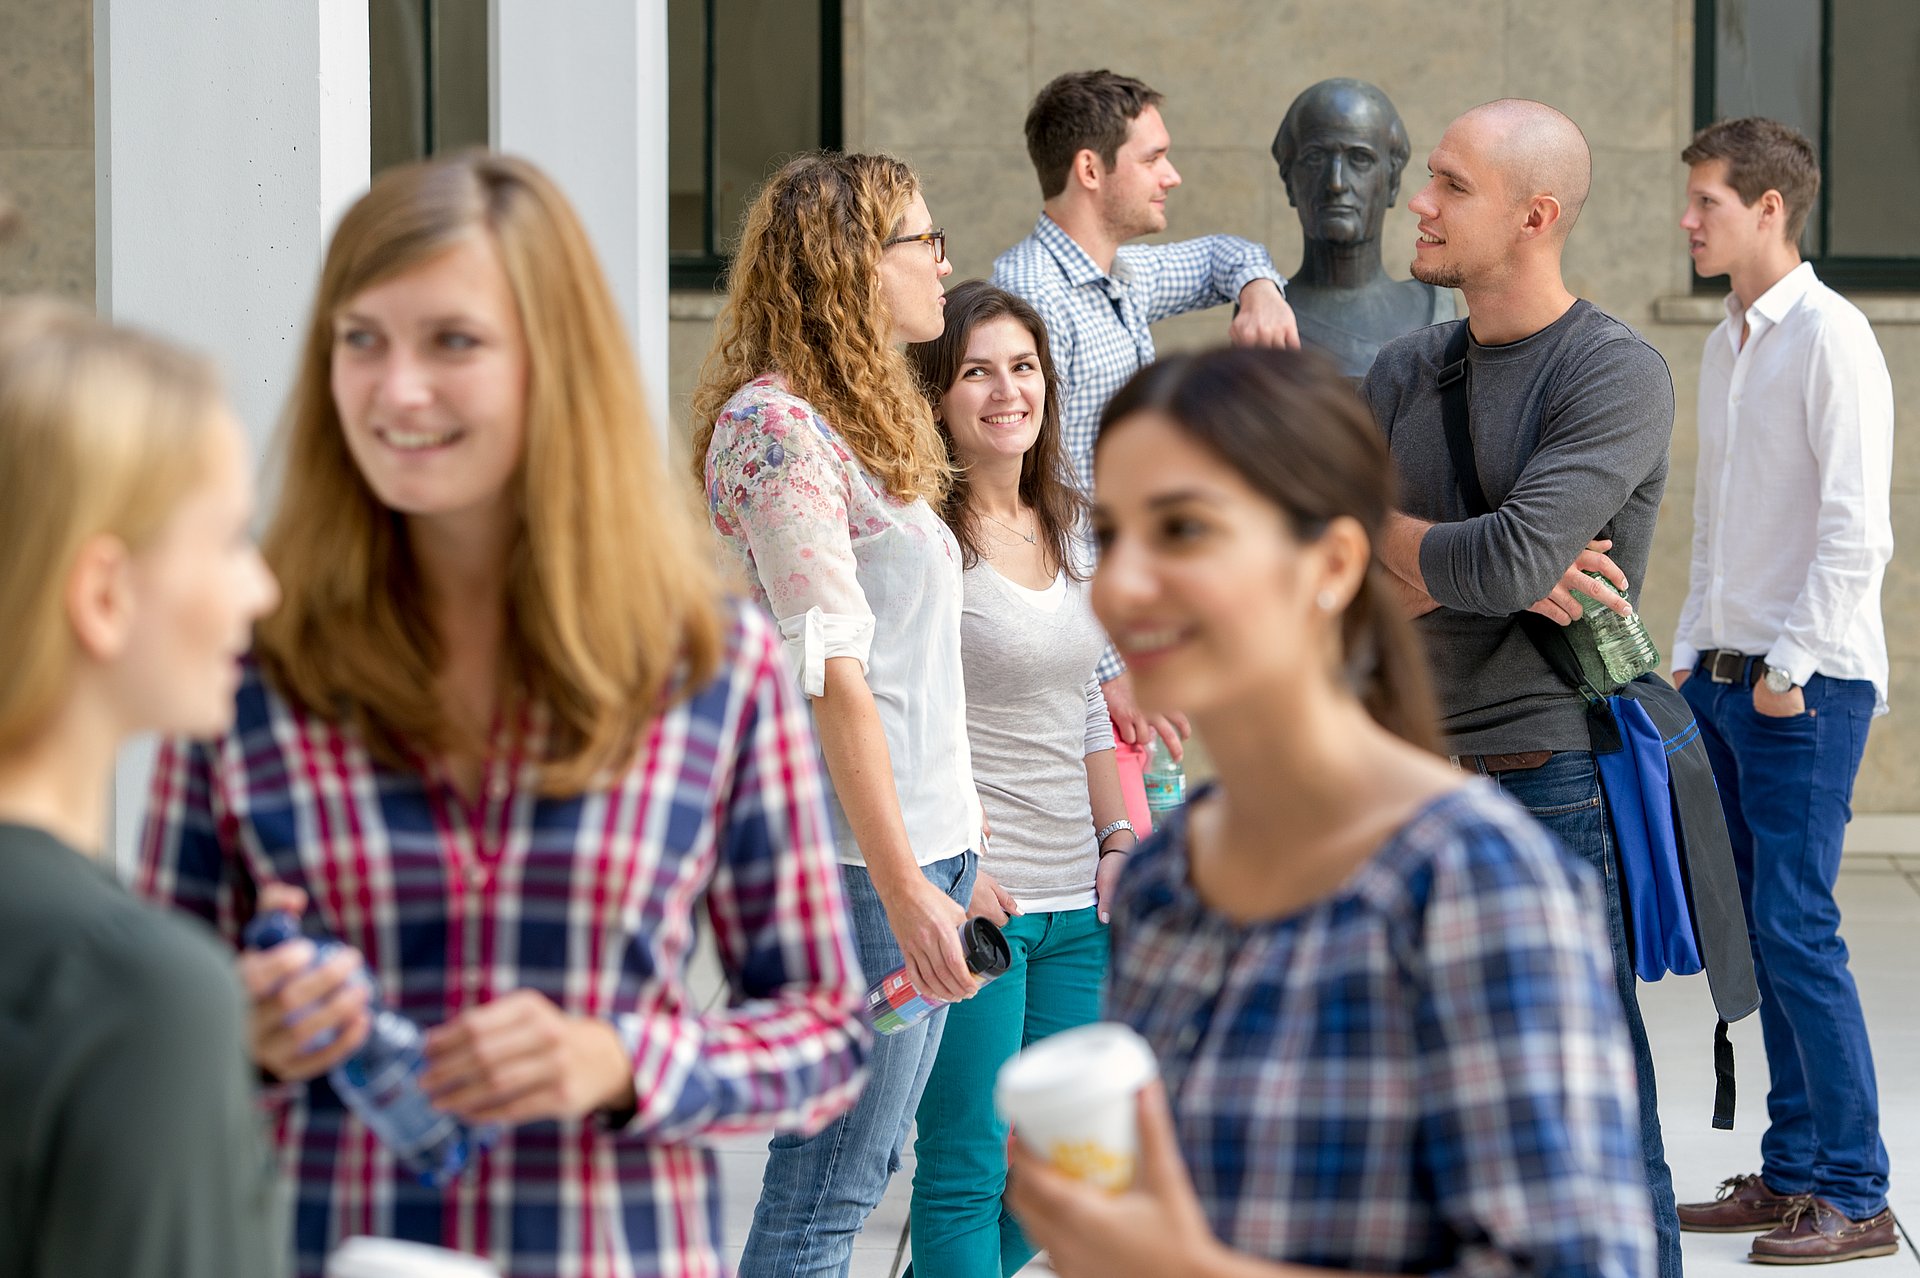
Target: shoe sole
<point>1887,1250</point>
<point>1762,1228</point>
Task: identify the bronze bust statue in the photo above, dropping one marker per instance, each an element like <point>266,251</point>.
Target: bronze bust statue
<point>1341,148</point>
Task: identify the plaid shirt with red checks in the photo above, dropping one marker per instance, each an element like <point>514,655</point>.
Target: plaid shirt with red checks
<point>590,900</point>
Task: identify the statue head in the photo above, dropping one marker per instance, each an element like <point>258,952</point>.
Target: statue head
<point>1341,148</point>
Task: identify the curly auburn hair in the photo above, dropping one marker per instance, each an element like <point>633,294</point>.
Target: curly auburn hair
<point>805,300</point>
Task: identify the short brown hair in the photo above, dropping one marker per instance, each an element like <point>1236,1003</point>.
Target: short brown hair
<point>1082,111</point>
<point>1763,155</point>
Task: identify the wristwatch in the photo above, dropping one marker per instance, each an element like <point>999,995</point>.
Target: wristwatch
<point>1778,681</point>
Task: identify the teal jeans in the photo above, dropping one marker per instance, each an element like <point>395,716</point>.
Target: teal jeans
<point>960,1229</point>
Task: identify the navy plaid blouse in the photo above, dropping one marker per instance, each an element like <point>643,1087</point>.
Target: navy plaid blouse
<point>589,899</point>
<point>1426,1072</point>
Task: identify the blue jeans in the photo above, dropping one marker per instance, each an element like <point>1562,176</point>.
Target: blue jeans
<point>1786,786</point>
<point>960,1228</point>
<point>1564,795</point>
<point>818,1190</point>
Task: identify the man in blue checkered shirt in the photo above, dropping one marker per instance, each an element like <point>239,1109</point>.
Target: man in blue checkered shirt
<point>1099,148</point>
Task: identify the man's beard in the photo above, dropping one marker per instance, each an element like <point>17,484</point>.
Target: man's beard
<point>1438,276</point>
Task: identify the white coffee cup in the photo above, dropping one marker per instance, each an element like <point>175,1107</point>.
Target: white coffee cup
<point>391,1258</point>
<point>1071,1099</point>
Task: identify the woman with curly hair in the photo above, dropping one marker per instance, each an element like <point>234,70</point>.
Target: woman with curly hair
<point>822,468</point>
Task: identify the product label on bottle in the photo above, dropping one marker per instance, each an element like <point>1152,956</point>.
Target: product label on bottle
<point>894,1005</point>
<point>1165,793</point>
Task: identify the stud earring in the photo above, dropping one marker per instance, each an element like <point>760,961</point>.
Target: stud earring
<point>1327,600</point>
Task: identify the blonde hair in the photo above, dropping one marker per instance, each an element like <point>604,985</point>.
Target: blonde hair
<point>103,431</point>
<point>805,299</point>
<point>613,602</point>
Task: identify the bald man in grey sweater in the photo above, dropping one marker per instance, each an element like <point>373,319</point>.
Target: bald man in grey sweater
<point>1571,415</point>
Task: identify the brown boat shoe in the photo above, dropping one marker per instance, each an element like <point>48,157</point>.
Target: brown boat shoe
<point>1743,1205</point>
<point>1815,1233</point>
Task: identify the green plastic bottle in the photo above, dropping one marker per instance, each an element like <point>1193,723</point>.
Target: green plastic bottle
<point>1625,647</point>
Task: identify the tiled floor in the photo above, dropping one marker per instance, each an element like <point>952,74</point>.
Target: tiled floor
<point>1880,898</point>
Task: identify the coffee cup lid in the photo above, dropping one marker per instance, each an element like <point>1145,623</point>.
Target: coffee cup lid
<point>391,1258</point>
<point>1088,1063</point>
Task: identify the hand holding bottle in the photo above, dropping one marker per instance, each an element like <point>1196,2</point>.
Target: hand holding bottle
<point>302,1022</point>
<point>1561,607</point>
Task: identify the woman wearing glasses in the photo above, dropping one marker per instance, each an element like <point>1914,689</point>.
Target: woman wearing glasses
<point>821,462</point>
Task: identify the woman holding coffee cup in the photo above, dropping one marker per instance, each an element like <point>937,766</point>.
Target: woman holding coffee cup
<point>507,734</point>
<point>1377,991</point>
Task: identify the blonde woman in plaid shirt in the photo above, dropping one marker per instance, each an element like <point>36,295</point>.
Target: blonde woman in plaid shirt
<point>504,738</point>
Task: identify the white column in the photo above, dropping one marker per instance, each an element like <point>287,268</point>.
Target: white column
<point>584,96</point>
<point>229,136</point>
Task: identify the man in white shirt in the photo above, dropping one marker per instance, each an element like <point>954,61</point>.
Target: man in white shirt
<point>1782,655</point>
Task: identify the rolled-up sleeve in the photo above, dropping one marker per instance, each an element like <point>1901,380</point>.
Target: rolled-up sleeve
<point>778,490</point>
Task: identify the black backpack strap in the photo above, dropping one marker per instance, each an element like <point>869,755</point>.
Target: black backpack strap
<point>1454,382</point>
<point>1723,1078</point>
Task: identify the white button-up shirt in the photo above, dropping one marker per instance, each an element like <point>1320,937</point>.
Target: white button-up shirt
<point>1791,527</point>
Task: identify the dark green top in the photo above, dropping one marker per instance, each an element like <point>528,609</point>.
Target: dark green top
<point>131,1145</point>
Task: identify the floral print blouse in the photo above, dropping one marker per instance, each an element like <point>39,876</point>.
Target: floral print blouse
<point>848,571</point>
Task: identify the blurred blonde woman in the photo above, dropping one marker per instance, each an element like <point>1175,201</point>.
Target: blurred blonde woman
<point>820,462</point>
<point>129,1139</point>
<point>505,737</point>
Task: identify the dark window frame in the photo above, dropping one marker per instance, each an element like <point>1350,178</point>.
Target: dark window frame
<point>703,272</point>
<point>1856,274</point>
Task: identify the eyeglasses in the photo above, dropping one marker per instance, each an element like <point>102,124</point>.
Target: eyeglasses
<point>937,238</point>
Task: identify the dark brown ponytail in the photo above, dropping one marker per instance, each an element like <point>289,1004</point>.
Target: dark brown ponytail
<point>1298,434</point>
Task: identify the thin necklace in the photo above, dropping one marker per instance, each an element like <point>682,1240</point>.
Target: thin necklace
<point>1026,537</point>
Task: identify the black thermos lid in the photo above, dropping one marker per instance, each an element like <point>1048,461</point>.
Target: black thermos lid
<point>987,951</point>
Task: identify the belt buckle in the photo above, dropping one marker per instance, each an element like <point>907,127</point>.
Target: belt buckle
<point>1725,666</point>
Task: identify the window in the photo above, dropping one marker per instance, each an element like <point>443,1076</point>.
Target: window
<point>1847,74</point>
<point>750,82</point>
<point>428,78</point>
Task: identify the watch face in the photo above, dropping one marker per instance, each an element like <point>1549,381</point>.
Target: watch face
<point>1779,681</point>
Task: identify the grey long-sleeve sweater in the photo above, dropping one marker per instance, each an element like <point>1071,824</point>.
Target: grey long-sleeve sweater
<point>1570,433</point>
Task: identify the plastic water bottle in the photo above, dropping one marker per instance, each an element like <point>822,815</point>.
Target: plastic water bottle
<point>1165,779</point>
<point>893,1004</point>
<point>381,1081</point>
<point>1626,649</point>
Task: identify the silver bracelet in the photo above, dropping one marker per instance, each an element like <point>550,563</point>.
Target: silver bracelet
<point>1110,829</point>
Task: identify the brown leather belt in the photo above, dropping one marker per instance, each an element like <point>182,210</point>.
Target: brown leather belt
<point>1723,665</point>
<point>1519,761</point>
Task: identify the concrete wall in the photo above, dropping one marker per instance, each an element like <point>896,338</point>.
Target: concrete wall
<point>46,145</point>
<point>946,86</point>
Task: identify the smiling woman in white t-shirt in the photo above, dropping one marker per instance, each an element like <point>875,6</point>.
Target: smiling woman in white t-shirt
<point>1043,758</point>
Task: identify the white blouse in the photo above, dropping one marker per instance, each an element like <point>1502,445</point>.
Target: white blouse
<point>848,571</point>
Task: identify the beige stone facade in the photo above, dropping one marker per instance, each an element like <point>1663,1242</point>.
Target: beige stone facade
<point>46,144</point>
<point>947,85</point>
